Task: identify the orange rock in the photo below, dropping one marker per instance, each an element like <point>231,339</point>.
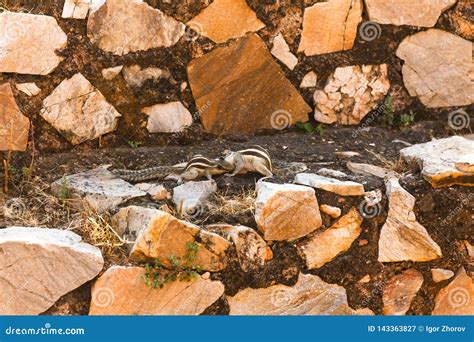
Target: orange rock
<point>330,26</point>
<point>240,100</point>
<point>122,291</point>
<point>226,19</point>
<point>400,291</point>
<point>14,126</point>
<point>457,298</point>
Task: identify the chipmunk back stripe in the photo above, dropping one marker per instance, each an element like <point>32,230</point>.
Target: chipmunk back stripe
<point>200,162</point>
<point>260,152</point>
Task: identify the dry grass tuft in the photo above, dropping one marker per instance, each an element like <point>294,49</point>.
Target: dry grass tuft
<point>233,205</point>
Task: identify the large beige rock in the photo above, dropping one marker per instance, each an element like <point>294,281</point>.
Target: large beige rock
<point>402,238</point>
<point>309,296</point>
<point>400,291</point>
<point>343,188</point>
<point>438,68</point>
<point>40,265</point>
<point>123,26</point>
<point>437,160</point>
<point>222,100</point>
<point>168,117</point>
<point>14,126</point>
<point>286,211</point>
<point>28,43</point>
<point>79,111</point>
<point>322,247</point>
<point>159,235</point>
<point>122,291</point>
<point>351,93</point>
<point>226,19</point>
<point>423,13</point>
<point>330,26</point>
<point>457,298</point>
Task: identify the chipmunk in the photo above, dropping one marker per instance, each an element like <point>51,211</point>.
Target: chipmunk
<point>257,159</point>
<point>197,167</point>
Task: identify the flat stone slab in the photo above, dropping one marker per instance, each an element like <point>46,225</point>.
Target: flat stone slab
<point>40,265</point>
<point>79,111</point>
<point>437,160</point>
<point>399,292</point>
<point>123,26</point>
<point>424,13</point>
<point>438,77</point>
<point>286,211</point>
<point>122,291</point>
<point>309,296</point>
<point>30,88</point>
<point>97,188</point>
<point>222,100</point>
<point>28,43</point>
<point>14,126</point>
<point>343,188</point>
<point>330,26</point>
<point>226,19</point>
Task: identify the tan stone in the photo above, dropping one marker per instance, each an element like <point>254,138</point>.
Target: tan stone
<point>240,100</point>
<point>438,68</point>
<point>438,158</point>
<point>226,19</point>
<point>40,265</point>
<point>400,291</point>
<point>159,235</point>
<point>371,170</point>
<point>168,117</point>
<point>330,26</point>
<point>424,13</point>
<point>334,212</point>
<point>439,274</point>
<point>123,26</point>
<point>287,211</point>
<point>122,291</point>
<point>281,50</point>
<point>402,238</point>
<point>157,191</point>
<point>309,80</point>
<point>79,111</point>
<point>28,43</point>
<point>323,247</point>
<point>343,188</point>
<point>111,73</point>
<point>457,298</point>
<point>14,126</point>
<point>309,296</point>
<point>351,93</point>
<point>30,89</point>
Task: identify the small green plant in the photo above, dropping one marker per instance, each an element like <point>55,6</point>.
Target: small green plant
<point>134,144</point>
<point>406,120</point>
<point>26,171</point>
<point>308,128</point>
<point>388,119</point>
<point>64,190</point>
<point>182,269</point>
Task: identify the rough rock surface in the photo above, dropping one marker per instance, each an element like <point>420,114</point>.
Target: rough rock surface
<point>334,212</point>
<point>160,235</point>
<point>40,265</point>
<point>437,160</point>
<point>28,43</point>
<point>402,238</point>
<point>168,117</point>
<point>97,188</point>
<point>286,211</point>
<point>322,247</point>
<point>439,274</point>
<point>79,111</point>
<point>351,93</point>
<point>330,26</point>
<point>191,198</point>
<point>309,80</point>
<point>135,76</point>
<point>281,50</point>
<point>400,291</point>
<point>252,250</point>
<point>14,126</point>
<point>438,68</point>
<point>122,291</point>
<point>78,9</point>
<point>457,298</point>
<point>222,100</point>
<point>30,88</point>
<point>424,13</point>
<point>226,19</point>
<point>309,296</point>
<point>123,26</point>
<point>343,188</point>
